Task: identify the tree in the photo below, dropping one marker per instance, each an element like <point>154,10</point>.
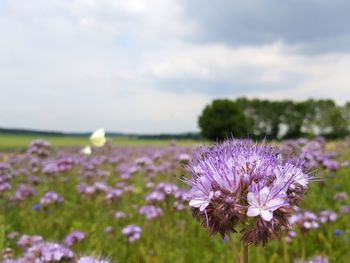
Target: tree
<point>266,116</point>
<point>223,118</point>
<point>345,111</point>
<point>329,120</point>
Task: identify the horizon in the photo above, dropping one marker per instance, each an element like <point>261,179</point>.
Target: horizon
<point>33,130</point>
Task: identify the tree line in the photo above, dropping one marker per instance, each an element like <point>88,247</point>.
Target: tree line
<point>284,119</point>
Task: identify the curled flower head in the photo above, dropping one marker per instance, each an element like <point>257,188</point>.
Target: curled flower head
<point>242,183</point>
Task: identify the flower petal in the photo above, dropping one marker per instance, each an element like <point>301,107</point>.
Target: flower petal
<point>253,211</point>
<point>263,195</point>
<point>199,203</point>
<point>274,204</point>
<point>252,199</point>
<point>266,215</point>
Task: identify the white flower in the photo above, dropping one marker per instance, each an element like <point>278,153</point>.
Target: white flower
<point>263,203</point>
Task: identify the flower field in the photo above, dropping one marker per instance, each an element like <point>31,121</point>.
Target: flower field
<point>132,204</point>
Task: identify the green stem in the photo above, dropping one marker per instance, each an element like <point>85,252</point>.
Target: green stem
<point>234,248</point>
<point>245,254</point>
<point>303,246</point>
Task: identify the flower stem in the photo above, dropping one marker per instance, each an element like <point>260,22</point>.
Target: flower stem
<point>234,248</point>
<point>245,254</point>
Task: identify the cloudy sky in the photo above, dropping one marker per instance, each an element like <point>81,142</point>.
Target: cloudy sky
<point>150,66</point>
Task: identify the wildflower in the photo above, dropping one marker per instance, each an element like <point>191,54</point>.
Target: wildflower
<point>5,186</point>
<point>7,253</point>
<point>317,259</point>
<point>184,158</point>
<point>91,260</point>
<point>12,235</point>
<point>133,232</point>
<point>39,148</point>
<point>341,196</point>
<point>74,237</point>
<point>23,192</point>
<point>51,198</point>
<point>345,209</point>
<point>113,194</point>
<point>151,212</point>
<point>119,214</point>
<point>36,207</point>
<point>109,230</point>
<point>328,216</point>
<point>47,252</point>
<point>338,232</point>
<point>263,203</point>
<point>27,241</point>
<point>237,179</point>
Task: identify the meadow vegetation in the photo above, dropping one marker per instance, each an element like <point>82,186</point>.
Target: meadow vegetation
<point>103,193</point>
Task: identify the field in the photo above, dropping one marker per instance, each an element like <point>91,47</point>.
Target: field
<point>53,190</point>
<point>10,143</point>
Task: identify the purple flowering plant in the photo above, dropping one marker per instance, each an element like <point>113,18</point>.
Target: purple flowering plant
<point>239,185</point>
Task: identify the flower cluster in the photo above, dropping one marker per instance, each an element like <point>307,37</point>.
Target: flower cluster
<point>39,148</point>
<point>133,232</point>
<point>151,212</point>
<point>242,183</point>
<point>74,237</point>
<point>317,259</point>
<point>307,221</point>
<point>36,250</point>
<point>313,153</point>
<point>51,198</point>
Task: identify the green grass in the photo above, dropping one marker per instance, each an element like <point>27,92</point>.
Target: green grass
<point>20,142</point>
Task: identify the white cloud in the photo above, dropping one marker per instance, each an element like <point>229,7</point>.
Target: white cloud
<point>290,73</point>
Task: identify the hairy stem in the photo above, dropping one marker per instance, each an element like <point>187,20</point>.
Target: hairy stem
<point>245,254</point>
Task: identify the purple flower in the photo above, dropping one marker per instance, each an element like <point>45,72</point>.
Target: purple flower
<point>201,192</point>
<point>113,194</point>
<point>5,186</point>
<point>345,209</point>
<point>36,207</point>
<point>151,212</point>
<point>155,196</point>
<point>238,179</point>
<point>341,196</point>
<point>27,241</point>
<point>133,232</point>
<point>23,192</point>
<point>119,214</point>
<point>47,252</point>
<point>74,237</point>
<point>338,232</point>
<point>91,260</point>
<point>39,148</point>
<point>317,259</point>
<point>51,198</point>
